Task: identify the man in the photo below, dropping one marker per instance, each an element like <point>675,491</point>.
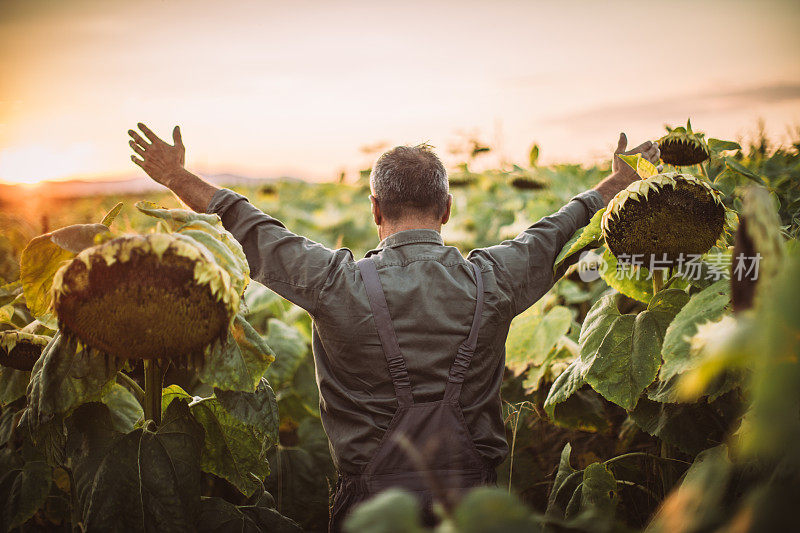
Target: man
<point>408,343</point>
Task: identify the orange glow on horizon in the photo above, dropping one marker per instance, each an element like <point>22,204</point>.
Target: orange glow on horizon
<point>34,163</point>
<point>271,89</point>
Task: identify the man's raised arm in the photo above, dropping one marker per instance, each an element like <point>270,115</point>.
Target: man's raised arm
<point>524,265</point>
<point>291,265</point>
<point>164,163</point>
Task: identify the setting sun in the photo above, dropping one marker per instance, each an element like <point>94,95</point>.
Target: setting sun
<point>39,162</point>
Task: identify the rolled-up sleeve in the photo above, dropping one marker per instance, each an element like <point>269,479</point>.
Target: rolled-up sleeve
<point>524,265</point>
<point>291,265</point>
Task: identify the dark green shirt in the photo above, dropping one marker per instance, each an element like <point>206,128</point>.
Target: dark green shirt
<point>431,296</point>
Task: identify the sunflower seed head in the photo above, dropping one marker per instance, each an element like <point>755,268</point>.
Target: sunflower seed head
<point>653,217</point>
<point>20,350</point>
<point>153,296</point>
<point>683,147</point>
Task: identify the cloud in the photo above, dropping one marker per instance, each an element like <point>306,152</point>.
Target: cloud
<point>717,101</point>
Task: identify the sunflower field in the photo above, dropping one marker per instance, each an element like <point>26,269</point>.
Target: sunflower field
<point>148,384</point>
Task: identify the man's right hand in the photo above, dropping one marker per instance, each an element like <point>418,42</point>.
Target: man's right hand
<point>648,149</point>
<point>623,174</point>
<point>161,161</point>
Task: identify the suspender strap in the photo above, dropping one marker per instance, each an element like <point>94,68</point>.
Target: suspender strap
<point>383,322</point>
<point>461,363</point>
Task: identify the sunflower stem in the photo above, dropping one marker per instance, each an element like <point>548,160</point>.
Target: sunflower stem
<point>75,515</point>
<point>133,386</point>
<point>152,391</point>
<point>658,281</point>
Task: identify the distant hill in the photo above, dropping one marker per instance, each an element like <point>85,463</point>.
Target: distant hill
<point>137,185</point>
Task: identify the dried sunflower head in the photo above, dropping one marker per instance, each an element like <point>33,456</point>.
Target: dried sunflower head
<point>20,350</point>
<point>143,297</point>
<point>683,147</point>
<point>462,177</point>
<point>527,183</point>
<point>665,215</point>
<point>526,179</point>
<point>462,180</point>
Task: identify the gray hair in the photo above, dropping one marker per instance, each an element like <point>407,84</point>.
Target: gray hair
<point>409,178</point>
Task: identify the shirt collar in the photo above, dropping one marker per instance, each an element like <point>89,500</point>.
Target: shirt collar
<point>411,236</point>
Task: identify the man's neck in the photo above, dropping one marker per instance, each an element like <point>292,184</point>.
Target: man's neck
<point>387,229</point>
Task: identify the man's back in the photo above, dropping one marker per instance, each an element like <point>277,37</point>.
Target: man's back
<point>430,292</point>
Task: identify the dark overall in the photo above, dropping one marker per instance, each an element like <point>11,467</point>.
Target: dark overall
<point>427,448</point>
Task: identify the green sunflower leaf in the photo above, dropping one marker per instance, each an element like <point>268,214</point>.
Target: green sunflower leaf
<point>492,509</point>
<point>590,236</point>
<point>13,384</point>
<point>240,362</point>
<point>65,377</point>
<point>707,305</point>
<point>737,167</point>
<point>123,406</point>
<point>232,449</point>
<point>393,510</point>
<point>23,490</point>
<point>258,410</point>
<point>533,334</point>
<point>622,353</point>
<point>111,215</point>
<point>77,237</point>
<point>644,168</point>
<point>290,350</point>
<point>39,262</point>
<point>565,386</point>
<point>718,145</point>
<point>182,221</point>
<point>632,281</point>
<point>220,516</point>
<point>147,479</point>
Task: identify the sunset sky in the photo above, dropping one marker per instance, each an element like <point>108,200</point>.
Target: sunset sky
<point>267,89</point>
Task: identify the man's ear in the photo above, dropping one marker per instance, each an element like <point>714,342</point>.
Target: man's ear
<point>376,210</point>
<point>446,215</point>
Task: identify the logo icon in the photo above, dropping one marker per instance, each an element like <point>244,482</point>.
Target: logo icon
<point>590,266</point>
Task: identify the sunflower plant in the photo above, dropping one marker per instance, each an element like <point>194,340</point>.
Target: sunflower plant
<point>648,233</point>
<point>91,428</point>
